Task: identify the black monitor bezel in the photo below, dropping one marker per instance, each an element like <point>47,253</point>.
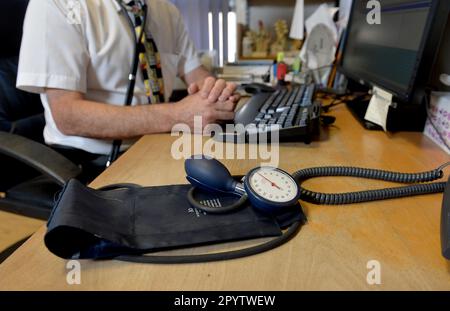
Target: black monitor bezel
<point>399,94</point>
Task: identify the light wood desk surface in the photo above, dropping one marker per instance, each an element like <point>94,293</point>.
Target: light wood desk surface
<point>329,253</point>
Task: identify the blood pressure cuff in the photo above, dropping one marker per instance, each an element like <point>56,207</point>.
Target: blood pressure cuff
<point>122,220</point>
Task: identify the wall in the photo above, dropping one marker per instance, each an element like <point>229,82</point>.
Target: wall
<point>270,11</point>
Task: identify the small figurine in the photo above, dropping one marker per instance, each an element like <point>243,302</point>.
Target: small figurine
<point>262,41</point>
<point>281,31</point>
<point>247,45</point>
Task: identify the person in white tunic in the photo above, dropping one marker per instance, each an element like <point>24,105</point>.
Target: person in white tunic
<point>79,61</point>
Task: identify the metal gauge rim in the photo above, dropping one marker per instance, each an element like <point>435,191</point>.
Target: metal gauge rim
<point>253,193</point>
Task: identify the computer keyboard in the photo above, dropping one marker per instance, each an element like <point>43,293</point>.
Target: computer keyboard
<point>291,112</point>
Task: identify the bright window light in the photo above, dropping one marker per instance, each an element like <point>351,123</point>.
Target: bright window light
<point>220,39</point>
<point>232,37</point>
<point>210,31</point>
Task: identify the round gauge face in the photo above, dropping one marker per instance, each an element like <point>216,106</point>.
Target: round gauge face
<point>273,185</point>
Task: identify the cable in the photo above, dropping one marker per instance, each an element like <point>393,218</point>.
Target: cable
<point>340,100</point>
<point>284,238</point>
<point>215,210</point>
<point>132,76</point>
<point>370,195</point>
<point>334,103</point>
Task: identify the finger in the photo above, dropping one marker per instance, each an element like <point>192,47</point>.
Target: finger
<point>235,98</point>
<point>193,88</point>
<point>224,115</point>
<point>225,106</point>
<point>217,90</point>
<point>228,91</point>
<point>207,87</point>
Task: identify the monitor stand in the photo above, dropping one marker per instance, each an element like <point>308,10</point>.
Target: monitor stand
<point>358,108</point>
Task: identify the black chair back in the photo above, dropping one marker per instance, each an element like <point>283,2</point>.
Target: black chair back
<point>12,13</point>
<point>21,112</point>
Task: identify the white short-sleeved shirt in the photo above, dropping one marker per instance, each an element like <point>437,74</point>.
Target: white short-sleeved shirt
<point>91,52</point>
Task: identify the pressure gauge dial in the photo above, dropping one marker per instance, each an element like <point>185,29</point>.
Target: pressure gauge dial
<point>271,188</point>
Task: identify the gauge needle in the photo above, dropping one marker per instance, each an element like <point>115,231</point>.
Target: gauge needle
<point>271,182</point>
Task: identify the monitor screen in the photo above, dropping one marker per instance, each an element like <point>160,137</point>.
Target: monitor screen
<point>387,54</point>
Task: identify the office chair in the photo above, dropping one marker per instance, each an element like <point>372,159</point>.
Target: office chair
<point>30,172</point>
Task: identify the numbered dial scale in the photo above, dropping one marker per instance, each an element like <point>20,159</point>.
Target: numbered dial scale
<point>269,187</point>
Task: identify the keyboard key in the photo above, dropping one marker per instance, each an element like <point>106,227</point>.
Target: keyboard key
<point>300,93</point>
<point>308,96</point>
<point>287,97</point>
<point>262,122</point>
<point>259,117</point>
<point>291,100</point>
<point>281,121</point>
<point>282,109</point>
<point>279,99</point>
<point>293,111</point>
<point>269,101</point>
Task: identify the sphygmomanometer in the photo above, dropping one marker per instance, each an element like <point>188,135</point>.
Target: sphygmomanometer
<point>131,223</point>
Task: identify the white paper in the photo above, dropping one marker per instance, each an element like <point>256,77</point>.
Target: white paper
<point>322,16</point>
<point>298,21</point>
<point>378,109</point>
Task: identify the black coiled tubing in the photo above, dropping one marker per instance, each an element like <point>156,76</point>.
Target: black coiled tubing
<point>420,184</point>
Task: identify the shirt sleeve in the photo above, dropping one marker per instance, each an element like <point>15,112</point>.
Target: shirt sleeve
<point>189,59</point>
<point>53,53</point>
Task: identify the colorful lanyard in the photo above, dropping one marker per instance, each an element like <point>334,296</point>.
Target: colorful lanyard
<point>149,57</point>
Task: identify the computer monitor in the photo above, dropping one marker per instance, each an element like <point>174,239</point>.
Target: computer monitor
<point>398,54</point>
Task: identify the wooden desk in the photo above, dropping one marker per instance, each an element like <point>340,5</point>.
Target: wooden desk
<point>330,253</point>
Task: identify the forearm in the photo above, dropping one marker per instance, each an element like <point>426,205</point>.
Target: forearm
<point>76,116</point>
<point>104,121</point>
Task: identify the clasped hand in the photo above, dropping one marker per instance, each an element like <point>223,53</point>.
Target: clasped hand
<point>212,99</point>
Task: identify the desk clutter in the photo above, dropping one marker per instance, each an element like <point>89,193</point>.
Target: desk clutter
<point>334,56</point>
